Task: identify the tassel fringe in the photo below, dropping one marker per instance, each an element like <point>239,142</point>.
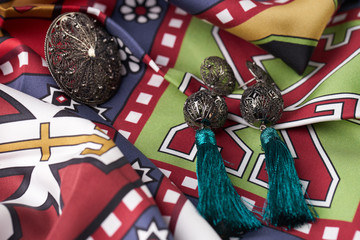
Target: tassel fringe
<point>219,203</point>
<point>286,205</point>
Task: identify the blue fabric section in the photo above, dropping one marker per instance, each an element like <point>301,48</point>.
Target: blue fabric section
<point>132,154</point>
<point>195,7</point>
<point>34,85</point>
<point>144,33</point>
<point>151,220</point>
<point>117,31</point>
<point>267,233</point>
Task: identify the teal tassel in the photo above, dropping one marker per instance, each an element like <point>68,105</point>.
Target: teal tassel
<point>219,203</point>
<point>286,205</point>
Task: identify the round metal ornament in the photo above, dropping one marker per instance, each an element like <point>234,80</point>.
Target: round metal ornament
<point>201,109</point>
<point>262,103</point>
<point>218,75</point>
<point>83,58</point>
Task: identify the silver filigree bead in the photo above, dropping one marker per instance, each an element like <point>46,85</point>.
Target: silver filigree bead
<point>218,75</point>
<point>201,109</point>
<point>83,58</point>
<point>262,103</point>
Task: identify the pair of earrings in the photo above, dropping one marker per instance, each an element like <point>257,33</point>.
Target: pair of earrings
<point>261,105</point>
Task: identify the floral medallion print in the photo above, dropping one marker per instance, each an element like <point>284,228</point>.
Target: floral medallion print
<point>140,11</point>
<point>129,62</point>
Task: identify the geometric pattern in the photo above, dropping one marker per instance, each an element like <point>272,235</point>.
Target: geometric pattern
<point>61,163</point>
<point>144,172</point>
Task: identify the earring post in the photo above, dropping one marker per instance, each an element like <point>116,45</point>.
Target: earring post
<point>245,84</point>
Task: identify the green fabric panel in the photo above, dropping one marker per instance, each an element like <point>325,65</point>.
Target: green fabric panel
<point>340,31</point>
<point>340,139</point>
<point>336,82</point>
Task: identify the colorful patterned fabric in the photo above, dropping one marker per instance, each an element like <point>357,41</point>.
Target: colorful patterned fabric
<point>126,169</point>
<point>288,29</point>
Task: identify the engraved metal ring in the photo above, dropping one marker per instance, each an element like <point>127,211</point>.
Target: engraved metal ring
<point>83,58</point>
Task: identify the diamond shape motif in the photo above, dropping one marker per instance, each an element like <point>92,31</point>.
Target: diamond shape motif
<point>330,233</point>
<point>224,16</point>
<point>132,200</point>
<point>171,196</point>
<point>133,117</point>
<point>111,224</point>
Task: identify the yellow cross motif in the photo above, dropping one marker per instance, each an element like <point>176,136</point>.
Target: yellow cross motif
<point>45,143</point>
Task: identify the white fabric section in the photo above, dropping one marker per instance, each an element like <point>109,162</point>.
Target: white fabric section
<point>6,227</point>
<point>191,225</point>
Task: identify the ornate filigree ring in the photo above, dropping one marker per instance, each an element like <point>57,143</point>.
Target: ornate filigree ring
<point>83,58</point>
